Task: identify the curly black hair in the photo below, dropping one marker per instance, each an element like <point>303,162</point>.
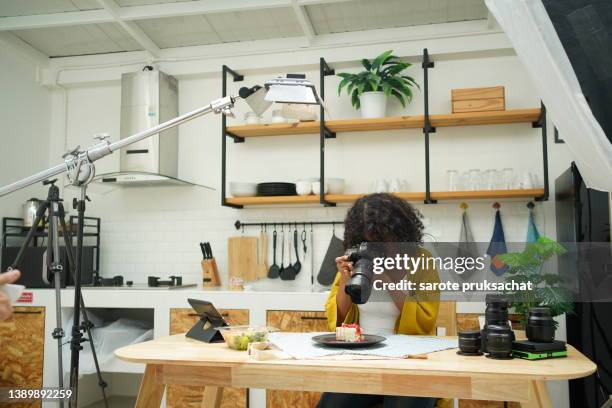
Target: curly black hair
<point>382,218</point>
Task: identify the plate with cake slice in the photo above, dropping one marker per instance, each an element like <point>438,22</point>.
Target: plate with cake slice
<point>348,336</point>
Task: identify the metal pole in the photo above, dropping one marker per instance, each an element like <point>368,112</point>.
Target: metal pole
<point>239,224</point>
<point>545,154</point>
<point>427,128</point>
<point>77,335</point>
<point>56,268</point>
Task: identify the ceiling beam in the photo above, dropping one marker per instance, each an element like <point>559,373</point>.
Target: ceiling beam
<point>304,21</point>
<point>131,28</point>
<point>161,10</point>
<point>55,20</point>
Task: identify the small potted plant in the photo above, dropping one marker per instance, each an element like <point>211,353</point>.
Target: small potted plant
<point>381,79</point>
<point>550,289</point>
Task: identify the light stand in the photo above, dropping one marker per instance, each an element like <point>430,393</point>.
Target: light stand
<point>80,169</point>
<point>56,220</point>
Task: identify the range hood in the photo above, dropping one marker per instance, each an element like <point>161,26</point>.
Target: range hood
<point>148,98</point>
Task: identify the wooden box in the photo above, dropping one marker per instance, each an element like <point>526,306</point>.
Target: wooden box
<point>478,99</point>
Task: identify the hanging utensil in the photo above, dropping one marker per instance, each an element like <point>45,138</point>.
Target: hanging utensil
<point>328,270</point>
<point>312,260</point>
<point>274,270</point>
<point>303,238</point>
<point>262,262</point>
<point>289,272</point>
<point>282,266</point>
<point>297,265</point>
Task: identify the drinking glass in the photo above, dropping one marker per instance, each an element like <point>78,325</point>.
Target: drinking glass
<point>508,177</point>
<point>453,180</point>
<point>474,179</point>
<point>490,179</point>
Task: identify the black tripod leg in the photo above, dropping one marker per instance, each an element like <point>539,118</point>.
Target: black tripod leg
<point>55,267</point>
<point>86,322</point>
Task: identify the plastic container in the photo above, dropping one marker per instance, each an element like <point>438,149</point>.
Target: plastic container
<point>239,337</point>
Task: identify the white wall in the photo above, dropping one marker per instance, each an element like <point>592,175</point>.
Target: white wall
<point>24,117</point>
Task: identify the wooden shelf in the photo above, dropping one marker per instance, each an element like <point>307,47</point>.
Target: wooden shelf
<point>390,123</point>
<point>411,196</point>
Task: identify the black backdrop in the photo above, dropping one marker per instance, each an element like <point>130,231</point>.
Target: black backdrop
<point>585,30</point>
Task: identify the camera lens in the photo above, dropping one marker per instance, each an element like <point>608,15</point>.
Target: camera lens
<point>496,314</point>
<point>540,325</point>
<point>499,342</point>
<point>359,286</point>
<point>469,343</point>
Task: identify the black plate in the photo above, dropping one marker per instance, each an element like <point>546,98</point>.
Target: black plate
<point>329,340</point>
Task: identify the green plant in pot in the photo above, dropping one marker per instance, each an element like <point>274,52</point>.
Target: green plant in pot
<point>381,79</point>
<point>549,288</point>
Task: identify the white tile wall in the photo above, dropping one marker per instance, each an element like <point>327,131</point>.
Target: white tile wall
<point>163,243</point>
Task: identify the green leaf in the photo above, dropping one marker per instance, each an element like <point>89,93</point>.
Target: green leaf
<point>355,99</point>
<point>381,59</point>
<point>342,84</point>
<point>399,96</point>
<point>366,64</point>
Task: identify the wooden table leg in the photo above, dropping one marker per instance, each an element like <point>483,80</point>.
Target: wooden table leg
<point>151,391</point>
<point>539,397</point>
<point>212,397</point>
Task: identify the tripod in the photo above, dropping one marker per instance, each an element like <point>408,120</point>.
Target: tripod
<point>56,220</point>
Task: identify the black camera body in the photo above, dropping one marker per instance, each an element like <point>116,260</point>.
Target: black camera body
<point>359,286</point>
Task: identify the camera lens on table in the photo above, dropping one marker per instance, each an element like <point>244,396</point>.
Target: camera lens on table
<point>496,313</point>
<point>469,343</point>
<point>499,342</point>
<point>540,325</point>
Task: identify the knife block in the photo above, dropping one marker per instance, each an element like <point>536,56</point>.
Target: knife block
<point>210,273</point>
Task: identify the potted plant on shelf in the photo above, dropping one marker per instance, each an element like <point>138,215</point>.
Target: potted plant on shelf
<point>549,288</point>
<point>382,78</point>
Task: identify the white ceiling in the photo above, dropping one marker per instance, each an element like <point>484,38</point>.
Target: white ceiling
<point>78,27</point>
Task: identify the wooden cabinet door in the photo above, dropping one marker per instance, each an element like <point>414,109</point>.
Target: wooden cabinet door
<point>294,321</point>
<point>22,342</point>
<point>179,396</point>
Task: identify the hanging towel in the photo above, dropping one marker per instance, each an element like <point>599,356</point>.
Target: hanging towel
<point>497,246</point>
<point>466,246</point>
<point>532,230</point>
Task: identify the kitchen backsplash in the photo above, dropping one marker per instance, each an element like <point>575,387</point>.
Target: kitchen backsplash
<point>164,243</point>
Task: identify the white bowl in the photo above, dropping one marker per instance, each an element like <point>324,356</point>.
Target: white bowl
<point>335,185</point>
<point>238,189</point>
<point>316,187</point>
<point>303,187</point>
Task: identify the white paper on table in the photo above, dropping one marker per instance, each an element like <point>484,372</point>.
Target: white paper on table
<point>301,346</point>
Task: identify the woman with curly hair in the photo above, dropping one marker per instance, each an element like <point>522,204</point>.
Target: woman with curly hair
<point>382,218</point>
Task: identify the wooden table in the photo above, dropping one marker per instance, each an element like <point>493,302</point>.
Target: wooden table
<point>444,374</point>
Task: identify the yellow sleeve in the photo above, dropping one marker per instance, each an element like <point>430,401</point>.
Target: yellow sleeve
<point>420,312</point>
<point>331,308</point>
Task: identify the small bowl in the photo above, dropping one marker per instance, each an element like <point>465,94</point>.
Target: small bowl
<point>316,187</point>
<point>238,189</point>
<point>303,187</point>
<point>239,337</point>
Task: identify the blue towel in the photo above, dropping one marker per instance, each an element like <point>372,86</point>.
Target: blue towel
<point>497,246</point>
<point>532,230</point>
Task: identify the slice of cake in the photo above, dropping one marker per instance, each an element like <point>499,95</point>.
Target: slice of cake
<point>349,332</point>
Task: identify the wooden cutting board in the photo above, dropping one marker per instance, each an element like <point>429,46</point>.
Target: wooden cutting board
<point>242,258</point>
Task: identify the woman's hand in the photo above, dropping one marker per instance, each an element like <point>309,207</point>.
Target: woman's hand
<point>5,303</point>
<point>344,267</point>
<point>343,301</point>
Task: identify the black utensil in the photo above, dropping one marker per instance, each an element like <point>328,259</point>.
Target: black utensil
<point>282,266</point>
<point>274,270</point>
<point>203,248</point>
<point>297,265</point>
<point>289,272</point>
<point>303,237</point>
<point>209,250</point>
